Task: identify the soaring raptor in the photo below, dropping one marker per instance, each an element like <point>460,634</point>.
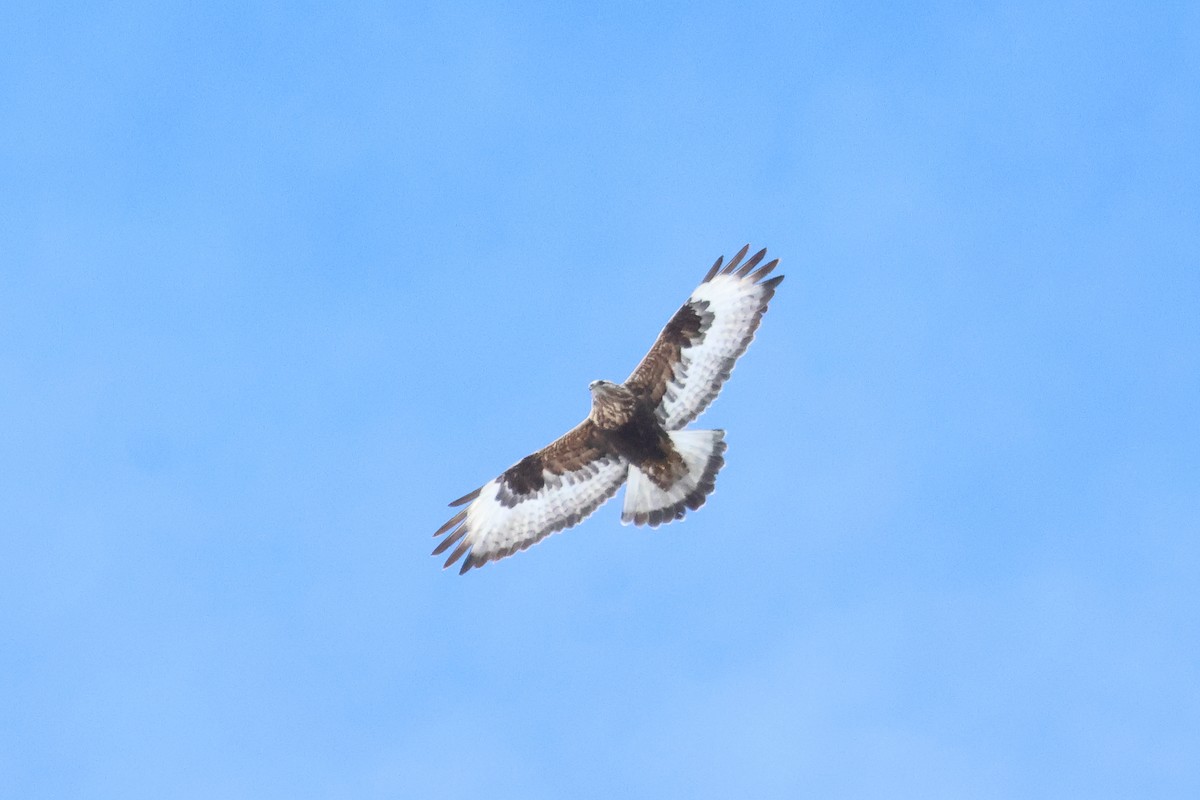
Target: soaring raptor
<point>634,432</point>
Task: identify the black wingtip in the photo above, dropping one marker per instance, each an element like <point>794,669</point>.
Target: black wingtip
<point>457,554</point>
<point>449,540</point>
<point>733,262</point>
<point>752,263</point>
<point>713,271</point>
<point>457,518</point>
<point>466,498</point>
<point>764,270</point>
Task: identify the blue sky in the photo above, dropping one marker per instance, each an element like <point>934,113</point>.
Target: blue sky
<point>278,282</point>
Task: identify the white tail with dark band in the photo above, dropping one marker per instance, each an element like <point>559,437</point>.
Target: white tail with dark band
<point>648,504</point>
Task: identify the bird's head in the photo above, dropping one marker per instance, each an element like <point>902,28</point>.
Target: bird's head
<point>612,404</point>
<point>608,393</point>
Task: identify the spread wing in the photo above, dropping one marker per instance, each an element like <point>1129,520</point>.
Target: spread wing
<point>552,489</point>
<point>684,370</point>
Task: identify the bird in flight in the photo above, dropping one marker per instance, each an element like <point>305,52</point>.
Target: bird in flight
<point>634,432</point>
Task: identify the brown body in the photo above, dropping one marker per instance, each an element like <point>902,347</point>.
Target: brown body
<point>626,423</point>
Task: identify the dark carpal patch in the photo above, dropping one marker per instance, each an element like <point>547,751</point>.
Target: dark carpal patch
<point>664,365</point>
<point>521,480</point>
<point>689,324</point>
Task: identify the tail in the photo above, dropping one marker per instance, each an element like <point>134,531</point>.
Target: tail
<point>647,503</point>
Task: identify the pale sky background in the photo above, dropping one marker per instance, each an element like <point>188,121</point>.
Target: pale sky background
<point>278,281</point>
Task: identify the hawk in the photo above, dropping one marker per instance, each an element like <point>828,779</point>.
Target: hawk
<point>634,432</point>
